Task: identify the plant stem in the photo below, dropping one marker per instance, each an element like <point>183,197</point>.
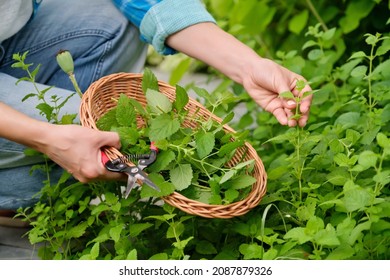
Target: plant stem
<point>75,84</point>
<point>315,13</point>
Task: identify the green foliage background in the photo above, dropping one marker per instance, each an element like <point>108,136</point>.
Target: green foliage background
<point>328,184</point>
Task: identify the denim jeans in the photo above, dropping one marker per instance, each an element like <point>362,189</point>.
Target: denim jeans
<point>102,41</point>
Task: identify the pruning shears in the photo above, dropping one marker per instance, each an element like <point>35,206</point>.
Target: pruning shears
<point>135,173</point>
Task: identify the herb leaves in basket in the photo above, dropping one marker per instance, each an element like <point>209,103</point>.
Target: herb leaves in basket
<point>195,152</point>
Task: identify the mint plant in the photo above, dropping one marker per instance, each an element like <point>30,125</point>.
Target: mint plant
<point>193,159</point>
<point>328,184</point>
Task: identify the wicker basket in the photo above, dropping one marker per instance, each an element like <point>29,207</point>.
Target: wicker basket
<point>99,98</point>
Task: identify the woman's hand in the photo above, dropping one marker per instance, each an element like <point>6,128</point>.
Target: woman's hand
<point>262,78</point>
<point>77,149</point>
<point>265,80</point>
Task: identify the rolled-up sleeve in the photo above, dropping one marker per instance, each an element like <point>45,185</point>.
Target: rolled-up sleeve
<point>158,19</point>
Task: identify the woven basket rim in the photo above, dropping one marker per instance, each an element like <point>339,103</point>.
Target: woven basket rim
<point>87,114</point>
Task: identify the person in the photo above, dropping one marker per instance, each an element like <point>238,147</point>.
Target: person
<point>105,37</point>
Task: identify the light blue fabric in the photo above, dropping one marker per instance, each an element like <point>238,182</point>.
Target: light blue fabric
<point>158,19</point>
<point>135,10</point>
<point>169,17</point>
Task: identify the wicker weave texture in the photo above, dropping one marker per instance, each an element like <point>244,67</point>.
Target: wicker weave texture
<point>100,98</point>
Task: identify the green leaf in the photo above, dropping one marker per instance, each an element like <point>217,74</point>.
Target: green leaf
<point>359,54</point>
<point>298,22</point>
<point>181,98</point>
<point>368,159</point>
<point>125,113</point>
<point>68,118</point>
<point>228,118</point>
<point>115,232</point>
<point>163,160</point>
<point>348,120</point>
<point>95,251</point>
<point>357,232</point>
<point>327,236</point>
<point>158,102</point>
<point>356,198</point>
<point>162,127</point>
<point>298,234</point>
<point>132,255</point>
<point>108,120</point>
<point>205,247</point>
<point>205,142</point>
<point>227,176</point>
<point>175,230</point>
<point>166,188</point>
<point>359,72</point>
<point>138,228</point>
<point>338,176</point>
<point>251,251</point>
<point>342,252</point>
<point>181,176</point>
<point>287,95</point>
<point>77,231</point>
<point>240,182</point>
<point>149,81</point>
<point>229,147</point>
<point>128,135</point>
<point>383,141</point>
<point>159,257</point>
<point>45,110</point>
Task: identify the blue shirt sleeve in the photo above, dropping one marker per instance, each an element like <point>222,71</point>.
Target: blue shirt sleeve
<point>135,10</point>
<point>157,19</point>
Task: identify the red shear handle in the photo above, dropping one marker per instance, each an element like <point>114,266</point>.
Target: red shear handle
<point>153,147</point>
<point>104,157</point>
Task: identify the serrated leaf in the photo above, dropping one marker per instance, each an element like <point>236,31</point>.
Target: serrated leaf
<point>136,229</point>
<point>338,176</point>
<point>181,98</point>
<point>163,160</point>
<point>228,148</point>
<point>158,102</point>
<point>115,232</point>
<point>132,255</point>
<point>166,188</point>
<point>149,81</point>
<point>77,231</point>
<point>181,176</point>
<point>241,165</point>
<point>327,236</point>
<point>228,118</point>
<point>287,95</point>
<point>28,96</point>
<point>355,199</point>
<point>68,118</point>
<point>159,256</point>
<point>205,247</point>
<point>205,142</point>
<point>108,120</point>
<point>95,251</point>
<point>129,136</point>
<point>251,251</point>
<point>240,182</point>
<point>359,54</point>
<point>359,71</point>
<point>227,176</point>
<point>368,159</point>
<point>162,127</point>
<point>125,113</point>
<point>45,110</point>
<point>298,22</point>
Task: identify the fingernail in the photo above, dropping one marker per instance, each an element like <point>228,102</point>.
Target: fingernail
<point>290,102</point>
